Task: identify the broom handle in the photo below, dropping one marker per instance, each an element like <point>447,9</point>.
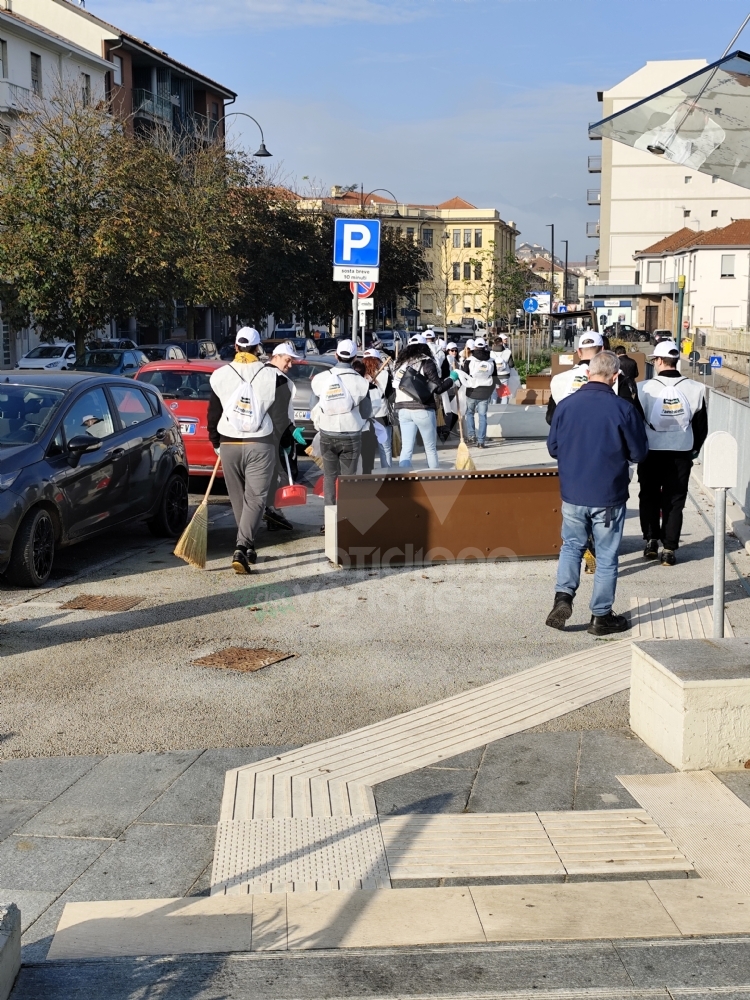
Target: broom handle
<point>211,480</point>
<point>288,469</point>
<point>460,421</point>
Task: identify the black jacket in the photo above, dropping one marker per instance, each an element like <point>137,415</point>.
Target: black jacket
<point>481,391</point>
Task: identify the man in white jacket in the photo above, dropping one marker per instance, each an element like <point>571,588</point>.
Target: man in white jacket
<point>340,405</point>
<point>247,416</point>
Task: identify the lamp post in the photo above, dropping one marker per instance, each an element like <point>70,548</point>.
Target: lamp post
<point>551,225</point>
<point>262,151</point>
<point>364,197</point>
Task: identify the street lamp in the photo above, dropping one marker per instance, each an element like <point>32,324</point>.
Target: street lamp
<point>364,197</point>
<point>262,151</point>
<point>565,275</point>
<point>551,225</point>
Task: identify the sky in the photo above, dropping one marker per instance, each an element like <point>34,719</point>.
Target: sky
<point>486,99</point>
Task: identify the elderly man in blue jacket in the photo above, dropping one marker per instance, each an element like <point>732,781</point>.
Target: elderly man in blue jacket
<point>594,436</point>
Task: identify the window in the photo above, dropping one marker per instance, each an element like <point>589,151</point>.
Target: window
<point>468,303</point>
<point>456,271</point>
<point>714,178</point>
<point>477,272</point>
<point>686,213</point>
<point>90,415</point>
<point>176,384</point>
<point>688,178</point>
<point>477,237</point>
<point>410,232</point>
<point>132,405</point>
<point>467,237</point>
<point>215,111</point>
<point>727,265</point>
<point>36,74</point>
<point>427,304</point>
<point>426,237</point>
<point>714,213</point>
<point>4,59</point>
<point>86,89</point>
<point>430,271</point>
<point>117,70</point>
<point>467,271</point>
<point>456,239</point>
<point>654,271</point>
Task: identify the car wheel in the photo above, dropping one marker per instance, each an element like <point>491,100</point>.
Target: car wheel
<point>33,550</point>
<point>171,517</point>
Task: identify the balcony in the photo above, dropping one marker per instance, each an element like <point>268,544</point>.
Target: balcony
<point>152,106</point>
<point>592,260</point>
<point>594,196</point>
<point>595,164</point>
<point>13,97</point>
<point>591,124</point>
<point>592,229</point>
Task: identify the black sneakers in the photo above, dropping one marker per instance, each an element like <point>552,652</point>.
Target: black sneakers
<point>243,559</point>
<point>608,624</point>
<point>652,549</point>
<point>562,609</point>
<point>667,557</point>
<point>275,520</point>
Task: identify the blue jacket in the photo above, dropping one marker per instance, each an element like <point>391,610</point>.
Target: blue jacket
<point>594,435</point>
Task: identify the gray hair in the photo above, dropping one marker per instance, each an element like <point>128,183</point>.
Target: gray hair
<point>605,364</point>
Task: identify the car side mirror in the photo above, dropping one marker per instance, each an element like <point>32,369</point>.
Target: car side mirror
<point>125,367</point>
<point>79,445</point>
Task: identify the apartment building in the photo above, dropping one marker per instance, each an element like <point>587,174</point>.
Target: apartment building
<point>460,242</point>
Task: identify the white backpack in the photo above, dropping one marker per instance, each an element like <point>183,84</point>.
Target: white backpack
<point>671,410</point>
<point>336,398</point>
<point>243,411</point>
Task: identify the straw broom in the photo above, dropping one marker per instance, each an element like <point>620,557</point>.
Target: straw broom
<point>464,461</point>
<point>194,539</point>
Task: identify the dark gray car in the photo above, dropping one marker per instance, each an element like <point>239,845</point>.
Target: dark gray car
<point>302,373</point>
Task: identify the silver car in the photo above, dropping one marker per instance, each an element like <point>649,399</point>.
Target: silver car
<point>302,373</point>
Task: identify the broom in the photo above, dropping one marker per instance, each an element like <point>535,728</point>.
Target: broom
<point>464,461</point>
<point>193,541</point>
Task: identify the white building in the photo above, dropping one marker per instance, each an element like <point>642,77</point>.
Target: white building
<point>645,198</point>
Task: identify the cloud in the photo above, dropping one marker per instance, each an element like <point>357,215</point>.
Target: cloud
<point>192,17</point>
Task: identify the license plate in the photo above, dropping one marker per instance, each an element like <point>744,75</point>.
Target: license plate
<point>301,414</point>
<point>186,428</point>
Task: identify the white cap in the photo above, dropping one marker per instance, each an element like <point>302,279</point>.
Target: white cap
<point>451,346</point>
<point>480,342</point>
<point>429,334</point>
<point>248,336</point>
<point>666,349</point>
<point>471,344</point>
<point>346,349</point>
<point>591,339</point>
<point>504,336</point>
<point>418,338</point>
<point>287,350</point>
<point>441,344</point>
<point>372,353</point>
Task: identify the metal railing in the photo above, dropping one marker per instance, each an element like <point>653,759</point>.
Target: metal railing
<point>594,196</point>
<point>592,260</point>
<point>595,164</point>
<point>592,229</point>
<point>145,102</point>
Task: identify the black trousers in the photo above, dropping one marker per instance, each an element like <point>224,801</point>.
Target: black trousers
<point>340,454</point>
<point>664,477</point>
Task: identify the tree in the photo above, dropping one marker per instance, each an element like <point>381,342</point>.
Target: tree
<point>513,282</point>
<point>402,268</point>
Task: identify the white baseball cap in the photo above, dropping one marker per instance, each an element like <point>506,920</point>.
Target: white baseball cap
<point>248,336</point>
<point>372,353</point>
<point>418,338</point>
<point>666,349</point>
<point>451,346</point>
<point>346,349</point>
<point>591,339</point>
<point>480,342</point>
<point>429,334</point>
<point>287,350</point>
<point>471,344</point>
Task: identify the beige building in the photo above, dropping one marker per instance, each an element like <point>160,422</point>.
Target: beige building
<point>460,243</point>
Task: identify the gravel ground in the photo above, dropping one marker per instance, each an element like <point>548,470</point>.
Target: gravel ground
<point>366,646</point>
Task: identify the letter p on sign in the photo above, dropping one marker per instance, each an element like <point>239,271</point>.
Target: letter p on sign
<point>356,242</point>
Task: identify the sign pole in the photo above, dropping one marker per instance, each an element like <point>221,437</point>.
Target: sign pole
<point>720,514</point>
<point>355,314</point>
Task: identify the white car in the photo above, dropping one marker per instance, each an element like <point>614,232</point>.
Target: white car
<point>49,357</point>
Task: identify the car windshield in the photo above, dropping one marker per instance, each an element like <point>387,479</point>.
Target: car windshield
<point>102,359</point>
<point>304,372</point>
<point>25,412</point>
<point>187,384</point>
<point>154,353</point>
<point>46,351</point>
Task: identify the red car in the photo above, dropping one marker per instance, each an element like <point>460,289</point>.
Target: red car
<point>186,390</point>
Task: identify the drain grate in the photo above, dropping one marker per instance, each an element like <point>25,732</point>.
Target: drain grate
<point>238,658</point>
<point>100,602</point>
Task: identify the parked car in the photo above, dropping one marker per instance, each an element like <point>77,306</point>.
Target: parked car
<point>663,334</point>
<point>302,345</point>
<point>80,453</point>
<point>163,352</point>
<point>302,373</point>
<point>123,344</point>
<point>185,389</point>
<point>48,357</point>
<point>624,331</point>
<point>111,362</point>
<point>204,350</point>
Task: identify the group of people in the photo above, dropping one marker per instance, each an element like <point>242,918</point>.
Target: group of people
<point>603,422</point>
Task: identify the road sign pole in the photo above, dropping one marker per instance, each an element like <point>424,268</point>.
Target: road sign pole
<point>355,314</point>
<point>720,516</point>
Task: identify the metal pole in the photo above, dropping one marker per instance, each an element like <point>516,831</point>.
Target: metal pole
<point>720,513</point>
<point>680,306</point>
<point>552,284</point>
<point>355,313</point>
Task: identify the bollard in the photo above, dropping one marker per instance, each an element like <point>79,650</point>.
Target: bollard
<point>719,474</point>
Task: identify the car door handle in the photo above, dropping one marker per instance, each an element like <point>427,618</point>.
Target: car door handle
<point>116,453</point>
<point>161,432</point>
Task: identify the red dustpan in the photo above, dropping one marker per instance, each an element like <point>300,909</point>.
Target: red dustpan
<point>293,495</point>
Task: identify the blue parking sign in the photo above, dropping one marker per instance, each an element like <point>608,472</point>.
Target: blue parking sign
<point>356,242</point>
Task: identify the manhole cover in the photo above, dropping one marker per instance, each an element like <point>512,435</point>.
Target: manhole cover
<point>237,658</point>
<point>98,602</point>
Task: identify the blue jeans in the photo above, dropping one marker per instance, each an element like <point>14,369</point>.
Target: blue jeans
<point>424,421</point>
<point>385,450</point>
<point>477,406</point>
<point>578,524</point>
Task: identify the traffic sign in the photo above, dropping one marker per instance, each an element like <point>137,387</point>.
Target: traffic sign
<point>694,356</point>
<point>364,288</point>
<point>364,305</point>
<point>562,309</point>
<point>356,243</point>
<point>530,305</point>
<point>356,273</point>
<point>716,361</point>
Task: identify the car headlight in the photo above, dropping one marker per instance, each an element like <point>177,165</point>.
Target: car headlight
<point>53,364</point>
<point>8,478</point>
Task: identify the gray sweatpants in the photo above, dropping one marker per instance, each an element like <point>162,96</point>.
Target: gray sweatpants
<point>248,470</point>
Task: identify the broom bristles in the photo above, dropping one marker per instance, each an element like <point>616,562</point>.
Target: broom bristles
<point>194,540</point>
<point>464,461</point>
